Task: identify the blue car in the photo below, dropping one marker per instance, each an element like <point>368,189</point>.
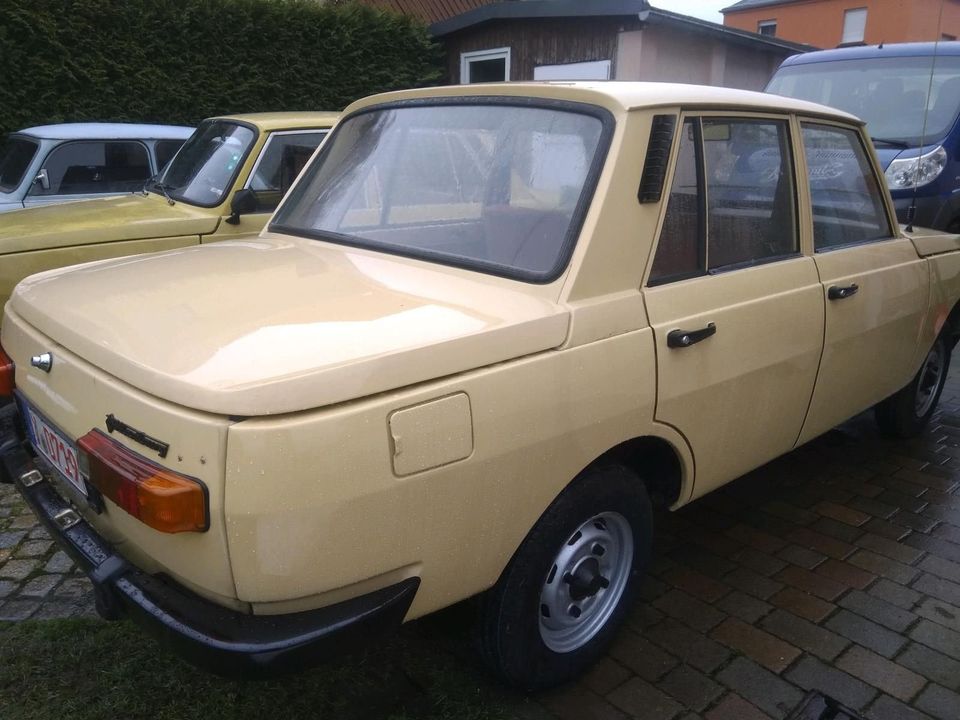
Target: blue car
<point>909,96</point>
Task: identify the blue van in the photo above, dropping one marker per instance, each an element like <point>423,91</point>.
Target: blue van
<point>909,96</point>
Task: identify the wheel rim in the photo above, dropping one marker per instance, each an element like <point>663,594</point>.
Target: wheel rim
<point>585,582</point>
<point>929,380</point>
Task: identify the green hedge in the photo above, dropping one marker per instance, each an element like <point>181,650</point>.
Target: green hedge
<point>178,61</point>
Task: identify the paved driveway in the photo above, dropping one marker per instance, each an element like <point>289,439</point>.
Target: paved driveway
<point>836,568</point>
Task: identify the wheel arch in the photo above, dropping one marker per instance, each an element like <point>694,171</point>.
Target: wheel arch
<point>661,465</point>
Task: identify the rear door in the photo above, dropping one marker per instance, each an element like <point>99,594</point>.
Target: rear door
<point>737,309</point>
<point>874,285</point>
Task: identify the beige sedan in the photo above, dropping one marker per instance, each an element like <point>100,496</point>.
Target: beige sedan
<point>488,329</point>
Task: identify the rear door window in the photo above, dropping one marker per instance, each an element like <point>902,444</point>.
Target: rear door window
<point>93,167</point>
<point>732,201</point>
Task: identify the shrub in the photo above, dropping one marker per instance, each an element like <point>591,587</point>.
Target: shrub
<point>178,61</point>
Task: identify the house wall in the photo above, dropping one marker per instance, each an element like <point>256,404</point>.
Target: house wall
<point>664,54</point>
<point>537,42</point>
<point>820,22</point>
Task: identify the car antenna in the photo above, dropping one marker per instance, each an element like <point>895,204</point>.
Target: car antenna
<point>912,210</point>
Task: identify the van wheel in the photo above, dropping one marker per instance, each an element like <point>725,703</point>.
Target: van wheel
<point>906,413</point>
<point>568,587</point>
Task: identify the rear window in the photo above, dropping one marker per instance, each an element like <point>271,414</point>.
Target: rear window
<point>494,187</point>
<point>16,154</point>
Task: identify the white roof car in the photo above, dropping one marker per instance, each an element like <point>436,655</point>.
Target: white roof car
<point>73,161</point>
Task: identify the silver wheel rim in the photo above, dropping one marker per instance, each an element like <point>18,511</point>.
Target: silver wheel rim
<point>585,582</point>
<point>930,376</point>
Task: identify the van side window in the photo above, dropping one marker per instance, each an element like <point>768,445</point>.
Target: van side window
<point>732,201</point>
<point>90,167</point>
<point>848,208</point>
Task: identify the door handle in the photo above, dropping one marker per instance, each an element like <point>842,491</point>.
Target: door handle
<point>841,292</point>
<point>686,338</point>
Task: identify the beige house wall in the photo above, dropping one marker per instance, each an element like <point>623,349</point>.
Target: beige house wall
<point>667,55</point>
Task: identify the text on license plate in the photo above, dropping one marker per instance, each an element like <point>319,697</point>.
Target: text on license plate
<point>60,453</point>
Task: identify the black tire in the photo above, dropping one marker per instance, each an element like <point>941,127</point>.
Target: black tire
<point>906,413</point>
<point>510,613</point>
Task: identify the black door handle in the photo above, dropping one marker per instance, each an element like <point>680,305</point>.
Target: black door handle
<point>686,338</point>
<point>840,292</point>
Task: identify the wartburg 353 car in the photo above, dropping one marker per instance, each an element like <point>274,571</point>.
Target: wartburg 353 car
<point>488,329</point>
<point>223,184</point>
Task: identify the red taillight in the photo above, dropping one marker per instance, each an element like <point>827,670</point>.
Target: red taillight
<point>164,500</point>
<point>6,374</point>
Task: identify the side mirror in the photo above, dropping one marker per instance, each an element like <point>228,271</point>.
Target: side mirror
<point>43,179</point>
<point>244,202</point>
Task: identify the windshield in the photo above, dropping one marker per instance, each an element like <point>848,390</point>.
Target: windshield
<point>203,172</point>
<point>492,187</point>
<point>15,156</point>
<point>888,93</point>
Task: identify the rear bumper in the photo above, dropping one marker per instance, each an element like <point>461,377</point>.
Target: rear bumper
<point>220,640</point>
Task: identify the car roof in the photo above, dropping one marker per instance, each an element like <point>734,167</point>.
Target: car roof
<point>621,96</point>
<point>107,131</point>
<point>865,52</point>
<point>286,120</point>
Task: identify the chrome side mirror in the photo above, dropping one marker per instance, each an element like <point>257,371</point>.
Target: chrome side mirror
<point>43,179</point>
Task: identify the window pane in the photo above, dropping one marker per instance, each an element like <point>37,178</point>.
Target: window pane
<point>751,203</point>
<point>493,70</point>
<point>847,204</point>
<point>165,150</point>
<point>493,185</point>
<point>16,155</point>
<point>854,25</point>
<point>680,250</point>
<point>282,160</point>
<point>84,168</point>
<point>203,171</point>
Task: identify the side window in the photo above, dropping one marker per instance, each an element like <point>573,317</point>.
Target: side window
<point>681,251</point>
<point>283,158</point>
<point>165,150</point>
<point>90,167</point>
<point>732,200</point>
<point>848,207</point>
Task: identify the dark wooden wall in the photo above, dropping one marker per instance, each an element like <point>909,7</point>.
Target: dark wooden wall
<point>532,42</point>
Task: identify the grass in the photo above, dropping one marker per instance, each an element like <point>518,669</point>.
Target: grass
<point>86,669</point>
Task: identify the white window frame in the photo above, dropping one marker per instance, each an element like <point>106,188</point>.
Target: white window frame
<point>847,15</point>
<point>765,24</point>
<point>480,55</point>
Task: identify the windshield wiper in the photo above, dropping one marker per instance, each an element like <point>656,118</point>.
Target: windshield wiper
<point>164,188</point>
<point>891,143</point>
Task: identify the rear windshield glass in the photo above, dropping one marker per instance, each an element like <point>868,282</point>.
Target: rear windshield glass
<point>890,94</point>
<point>489,187</point>
<point>15,156</point>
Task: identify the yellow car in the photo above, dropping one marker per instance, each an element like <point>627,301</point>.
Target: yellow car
<point>487,329</point>
<point>222,184</point>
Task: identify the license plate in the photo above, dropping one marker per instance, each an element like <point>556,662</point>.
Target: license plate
<point>58,451</point>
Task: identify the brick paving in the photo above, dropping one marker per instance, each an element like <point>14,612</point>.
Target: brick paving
<point>835,568</point>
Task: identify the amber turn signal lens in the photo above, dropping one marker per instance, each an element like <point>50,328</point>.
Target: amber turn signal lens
<point>164,500</point>
<point>6,374</point>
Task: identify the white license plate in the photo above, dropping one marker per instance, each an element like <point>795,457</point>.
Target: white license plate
<point>58,451</point>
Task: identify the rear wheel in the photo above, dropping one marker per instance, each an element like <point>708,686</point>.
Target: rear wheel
<point>571,582</point>
<point>906,413</point>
